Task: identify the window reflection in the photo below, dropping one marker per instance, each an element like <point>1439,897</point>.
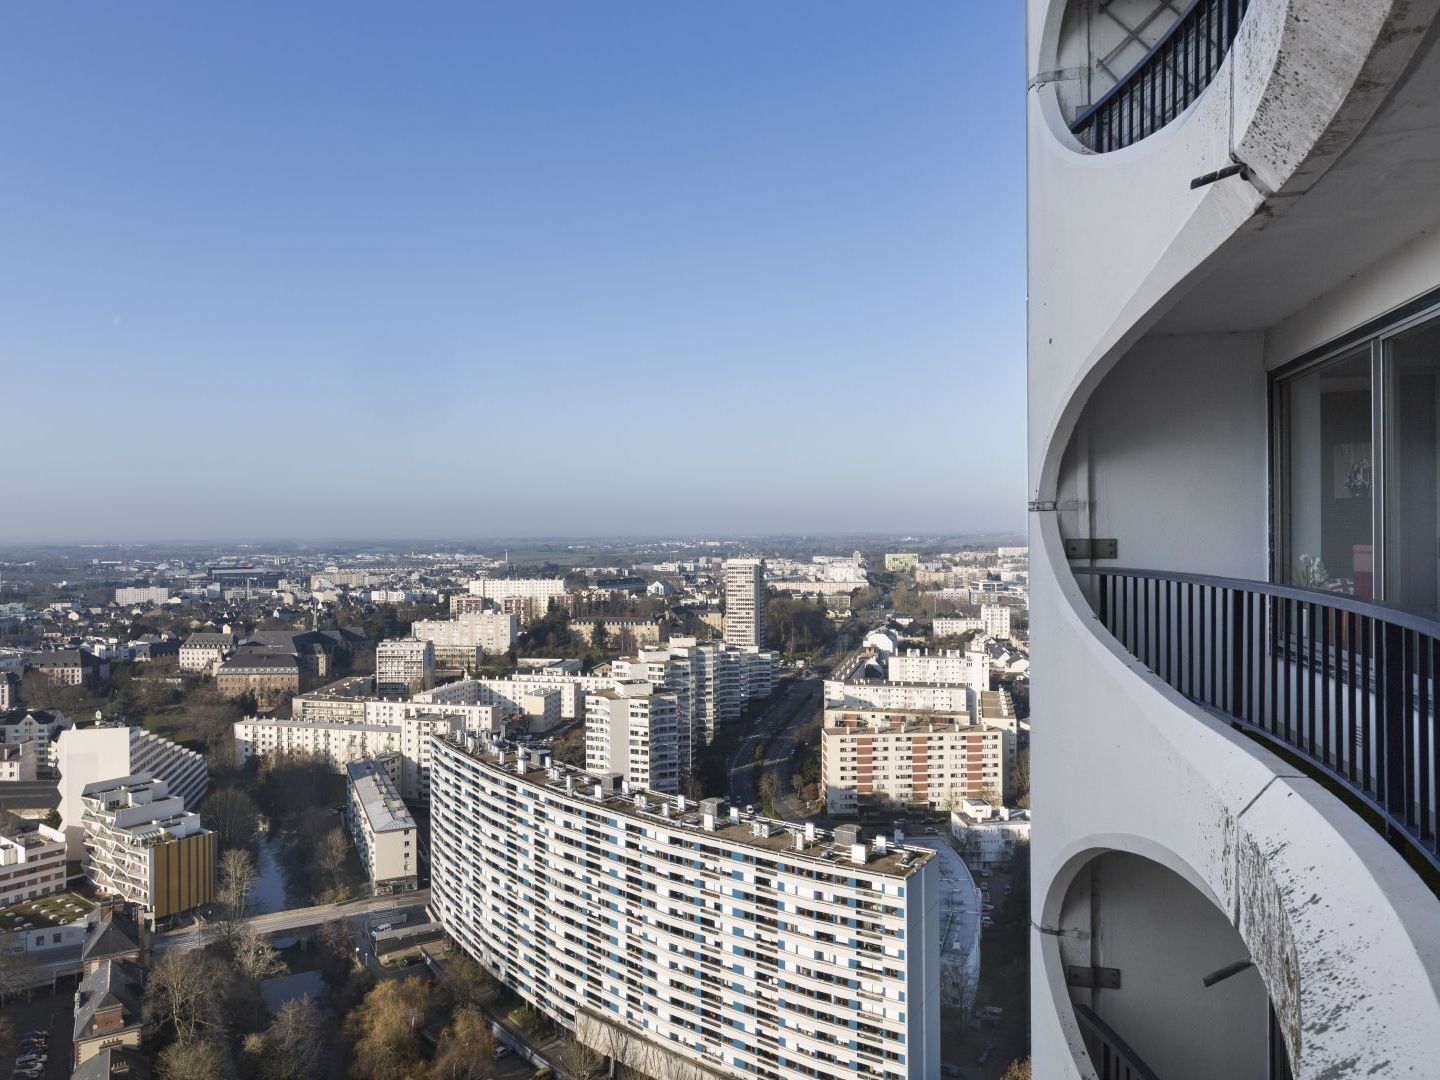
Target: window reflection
<point>1412,480</point>
<point>1330,478</point>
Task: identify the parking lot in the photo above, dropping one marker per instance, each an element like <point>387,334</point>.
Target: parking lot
<point>48,1012</point>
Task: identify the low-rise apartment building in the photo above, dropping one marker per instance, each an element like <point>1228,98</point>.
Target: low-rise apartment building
<point>32,863</point>
<point>954,625</point>
<point>944,666</point>
<point>382,828</point>
<point>682,939</point>
<point>877,758</point>
<point>143,846</point>
<point>988,834</point>
<point>138,596</point>
<point>342,742</point>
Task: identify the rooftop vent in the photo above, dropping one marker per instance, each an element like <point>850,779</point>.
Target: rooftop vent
<point>845,835</point>
<point>857,854</point>
<point>760,827</point>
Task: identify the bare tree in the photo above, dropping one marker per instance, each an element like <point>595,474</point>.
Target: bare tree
<point>466,980</point>
<point>194,1059</point>
<point>578,1059</point>
<point>237,878</point>
<point>254,958</point>
<point>466,1050</point>
<point>186,992</point>
<point>16,971</point>
<point>290,1047</point>
<point>233,815</point>
<point>330,856</point>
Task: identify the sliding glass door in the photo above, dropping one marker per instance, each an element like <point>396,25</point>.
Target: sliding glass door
<point>1357,454</point>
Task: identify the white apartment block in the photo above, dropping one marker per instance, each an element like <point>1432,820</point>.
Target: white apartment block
<point>95,752</point>
<point>342,742</point>
<point>989,834</point>
<point>899,697</point>
<point>943,666</point>
<point>721,680</point>
<point>996,618</point>
<point>205,652</point>
<point>527,598</point>
<point>637,733</point>
<point>543,699</point>
<point>403,666</point>
<point>143,846</point>
<point>744,582</point>
<point>131,597</point>
<point>955,625</point>
<point>878,758</point>
<point>32,863</point>
<point>492,632</point>
<point>382,828</point>
<point>688,941</point>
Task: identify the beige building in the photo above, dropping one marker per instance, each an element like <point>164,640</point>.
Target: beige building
<point>403,666</point>
<point>32,863</point>
<point>143,846</point>
<point>381,826</point>
<point>526,598</point>
<point>266,674</point>
<point>71,667</point>
<point>621,633</point>
<point>875,758</point>
<point>457,640</point>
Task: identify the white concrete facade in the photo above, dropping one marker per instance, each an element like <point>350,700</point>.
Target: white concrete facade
<point>32,863</point>
<point>744,581</point>
<point>638,733</point>
<point>1169,845</point>
<point>404,666</point>
<point>492,632</point>
<point>943,666</point>
<point>381,827</point>
<point>86,755</point>
<point>760,950</point>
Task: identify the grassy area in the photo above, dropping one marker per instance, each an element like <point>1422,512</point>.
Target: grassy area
<point>58,909</point>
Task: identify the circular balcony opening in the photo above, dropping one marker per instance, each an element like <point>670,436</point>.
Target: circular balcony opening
<point>1154,970</point>
<point>1124,69</point>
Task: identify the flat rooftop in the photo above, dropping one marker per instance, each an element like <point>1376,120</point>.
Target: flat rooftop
<point>733,825</point>
<point>58,909</point>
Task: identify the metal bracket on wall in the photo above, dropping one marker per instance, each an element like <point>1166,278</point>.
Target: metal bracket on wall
<point>1093,978</point>
<point>1108,548</point>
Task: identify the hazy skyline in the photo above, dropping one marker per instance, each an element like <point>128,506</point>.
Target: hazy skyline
<point>512,269</point>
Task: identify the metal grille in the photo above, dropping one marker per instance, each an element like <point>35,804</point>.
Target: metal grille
<point>1167,81</point>
<point>1347,685</point>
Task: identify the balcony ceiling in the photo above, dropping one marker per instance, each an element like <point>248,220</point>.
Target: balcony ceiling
<point>1383,192</point>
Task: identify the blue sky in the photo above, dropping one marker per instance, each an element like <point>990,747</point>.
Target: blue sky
<point>422,270</point>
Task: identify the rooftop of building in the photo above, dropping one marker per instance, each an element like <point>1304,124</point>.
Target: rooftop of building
<point>45,912</point>
<point>734,825</point>
<point>378,797</point>
<point>260,660</point>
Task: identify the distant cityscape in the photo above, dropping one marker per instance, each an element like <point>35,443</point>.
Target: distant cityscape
<point>597,777</point>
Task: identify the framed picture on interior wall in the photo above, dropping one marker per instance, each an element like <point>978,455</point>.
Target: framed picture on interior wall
<point>1352,470</point>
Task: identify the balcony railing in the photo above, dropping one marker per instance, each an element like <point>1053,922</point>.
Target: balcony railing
<point>1112,1057</point>
<point>1346,685</point>
<point>1173,74</point>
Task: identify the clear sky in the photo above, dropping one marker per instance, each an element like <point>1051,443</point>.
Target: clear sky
<point>494,269</point>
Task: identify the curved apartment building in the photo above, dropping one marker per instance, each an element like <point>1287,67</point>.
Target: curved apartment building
<point>684,940</point>
<point>1234,365</point>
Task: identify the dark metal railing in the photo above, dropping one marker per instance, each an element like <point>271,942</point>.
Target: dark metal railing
<point>1167,81</point>
<point>1109,1053</point>
<point>1347,685</point>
